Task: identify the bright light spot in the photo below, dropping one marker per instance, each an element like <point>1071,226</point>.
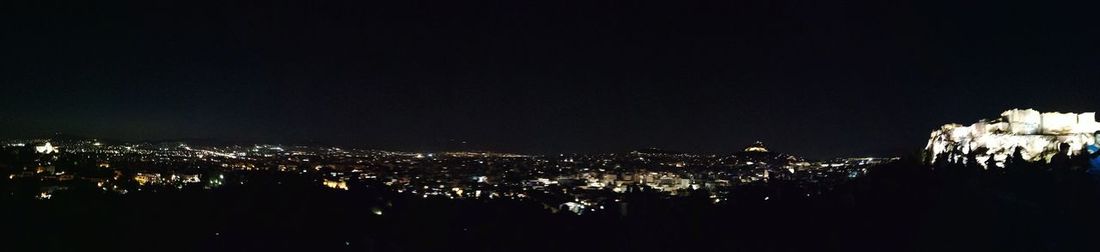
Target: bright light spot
<point>336,184</point>
<point>1037,134</point>
<point>45,149</point>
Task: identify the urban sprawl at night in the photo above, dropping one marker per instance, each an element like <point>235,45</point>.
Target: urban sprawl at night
<point>556,126</point>
<point>577,183</point>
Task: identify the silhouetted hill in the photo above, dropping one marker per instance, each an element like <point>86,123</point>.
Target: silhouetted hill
<point>902,206</point>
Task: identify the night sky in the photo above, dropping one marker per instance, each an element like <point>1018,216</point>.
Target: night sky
<point>816,78</point>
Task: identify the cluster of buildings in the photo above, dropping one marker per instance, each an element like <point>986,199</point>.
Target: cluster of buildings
<point>581,182</point>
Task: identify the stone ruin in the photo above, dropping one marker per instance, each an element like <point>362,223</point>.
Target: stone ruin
<point>1040,135</point>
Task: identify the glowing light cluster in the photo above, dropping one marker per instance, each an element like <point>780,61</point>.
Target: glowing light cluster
<point>46,148</point>
<point>1039,136</point>
<point>336,184</point>
<point>756,147</point>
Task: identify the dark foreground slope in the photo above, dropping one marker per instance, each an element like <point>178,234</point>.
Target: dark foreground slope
<point>898,207</point>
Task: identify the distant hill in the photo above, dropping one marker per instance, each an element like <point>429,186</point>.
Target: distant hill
<point>656,151</point>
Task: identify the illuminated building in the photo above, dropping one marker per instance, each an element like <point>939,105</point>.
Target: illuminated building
<point>336,184</point>
<point>756,147</point>
<point>757,154</point>
<point>1038,135</point>
<point>146,178</point>
<point>46,148</point>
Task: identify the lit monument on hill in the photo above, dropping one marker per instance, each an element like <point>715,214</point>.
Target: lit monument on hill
<point>756,147</point>
<point>1038,134</point>
<point>45,148</point>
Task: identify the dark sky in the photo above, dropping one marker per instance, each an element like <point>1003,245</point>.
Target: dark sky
<point>818,78</point>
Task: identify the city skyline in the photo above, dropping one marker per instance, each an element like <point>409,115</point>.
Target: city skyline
<point>549,125</point>
<point>53,139</point>
<point>59,165</point>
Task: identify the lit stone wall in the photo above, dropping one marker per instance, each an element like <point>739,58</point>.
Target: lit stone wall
<point>1039,134</point>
